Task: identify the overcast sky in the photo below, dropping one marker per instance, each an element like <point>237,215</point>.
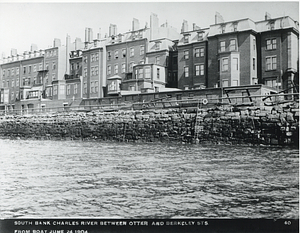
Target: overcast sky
<point>24,23</point>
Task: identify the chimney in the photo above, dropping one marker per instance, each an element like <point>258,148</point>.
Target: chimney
<point>153,26</point>
<point>86,35</point>
<point>185,26</point>
<point>78,43</point>
<point>33,47</point>
<point>267,16</point>
<point>135,24</point>
<point>13,52</point>
<point>56,43</point>
<point>99,34</point>
<point>195,27</point>
<point>112,30</point>
<point>218,18</point>
<point>90,37</point>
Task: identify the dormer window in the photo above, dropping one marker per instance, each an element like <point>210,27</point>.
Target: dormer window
<point>200,36</point>
<point>234,25</point>
<point>272,25</point>
<point>223,28</point>
<point>157,45</point>
<point>186,39</point>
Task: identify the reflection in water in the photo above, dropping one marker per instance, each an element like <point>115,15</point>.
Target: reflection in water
<point>100,179</point>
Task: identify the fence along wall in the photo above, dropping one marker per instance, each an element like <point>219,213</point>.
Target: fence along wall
<point>278,126</point>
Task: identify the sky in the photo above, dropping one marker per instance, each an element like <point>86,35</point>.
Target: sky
<point>25,23</point>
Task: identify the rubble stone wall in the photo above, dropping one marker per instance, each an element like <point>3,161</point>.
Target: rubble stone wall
<point>276,125</point>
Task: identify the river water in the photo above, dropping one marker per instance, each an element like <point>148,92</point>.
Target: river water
<point>146,180</point>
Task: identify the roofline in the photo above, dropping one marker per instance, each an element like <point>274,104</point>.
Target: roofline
<point>233,21</point>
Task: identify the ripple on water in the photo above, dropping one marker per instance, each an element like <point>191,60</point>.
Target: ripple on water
<point>99,179</point>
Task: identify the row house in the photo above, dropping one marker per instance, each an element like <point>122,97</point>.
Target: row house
<point>30,76</point>
<point>279,52</point>
<point>192,58</point>
<point>232,54</point>
<point>123,52</point>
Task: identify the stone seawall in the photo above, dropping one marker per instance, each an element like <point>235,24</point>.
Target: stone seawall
<point>278,126</point>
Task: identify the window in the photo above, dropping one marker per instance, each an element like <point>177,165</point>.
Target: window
<point>157,73</point>
<point>235,65</point>
<point>68,89</point>
<point>34,80</point>
<point>93,57</point>
<point>12,83</point>
<point>17,82</point>
<point>142,50</point>
<point>29,69</point>
<point>201,69</point>
<point>40,67</point>
<point>253,63</point>
<point>108,55</point>
<point>271,44</point>
<point>234,27</point>
<point>123,68</point>
<point>234,83</point>
<point>141,73</point>
<point>53,66</point>
<point>3,73</point>
<point>186,39</point>
<point>96,70</point>
<point>157,45</point>
<point>225,83</point>
<point>85,71</point>
<point>96,86</point>
<point>201,52</point>
<point>55,90</point>
<point>7,83</point>
<point>92,87</point>
<point>254,44</point>
<point>53,77</point>
<point>85,58</point>
<point>186,72</point>
<point>24,70</point>
<point>116,68</point>
<point>223,28</point>
<point>197,70</point>
<point>77,66</point>
<point>85,88</point>
<point>225,64</point>
<point>147,72</point>
<point>34,68</point>
<point>12,72</point>
<point>54,53</point>
<point>272,25</point>
<point>46,79</point>
<point>186,54</point>
<point>109,70</point>
<point>232,46</point>
<point>131,67</point>
<point>124,52</point>
<point>222,46</point>
<point>97,56</point>
<point>131,52</point>
<point>116,54</point>
<point>75,88</point>
<point>157,60</point>
<point>200,36</point>
<point>197,52</point>
<point>47,66</point>
<point>93,71</point>
<point>17,71</point>
<point>271,63</point>
<point>271,82</point>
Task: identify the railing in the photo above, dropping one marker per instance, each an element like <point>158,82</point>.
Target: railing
<point>189,102</point>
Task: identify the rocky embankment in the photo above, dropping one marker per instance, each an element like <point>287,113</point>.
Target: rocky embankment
<point>277,125</point>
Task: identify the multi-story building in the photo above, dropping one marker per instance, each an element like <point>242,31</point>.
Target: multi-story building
<point>232,54</point>
<point>278,52</point>
<point>123,52</point>
<point>33,77</point>
<point>192,58</point>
